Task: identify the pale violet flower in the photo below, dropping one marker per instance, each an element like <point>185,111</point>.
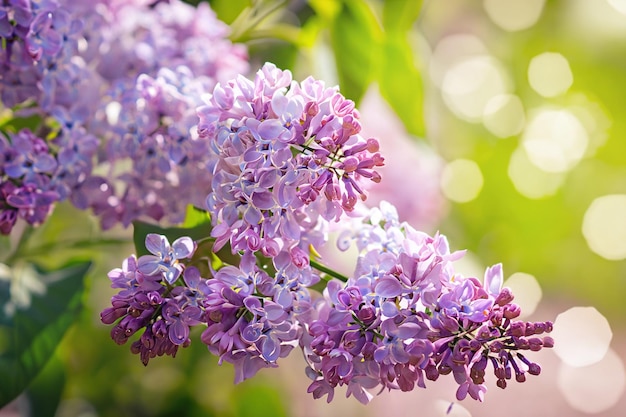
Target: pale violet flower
<point>164,258</point>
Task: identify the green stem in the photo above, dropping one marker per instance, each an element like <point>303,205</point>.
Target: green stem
<point>328,271</point>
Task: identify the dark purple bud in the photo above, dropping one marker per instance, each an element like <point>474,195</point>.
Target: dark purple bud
<point>444,369</point>
<point>505,297</point>
<point>535,344</point>
<point>540,327</point>
<point>548,342</point>
<point>367,315</point>
<point>521,343</point>
<point>118,334</point>
<point>136,347</point>
<point>530,329</point>
<point>501,383</point>
<point>499,372</point>
<point>520,377</point>
<point>495,347</point>
<point>517,329</point>
<point>512,311</point>
<point>431,372</point>
<point>534,369</point>
<point>111,314</point>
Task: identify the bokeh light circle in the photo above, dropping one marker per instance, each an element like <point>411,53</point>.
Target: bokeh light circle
<point>514,15</point>
<point>555,140</point>
<point>461,180</point>
<point>504,115</point>
<point>452,50</point>
<point>529,180</point>
<point>604,226</point>
<point>468,86</point>
<point>582,336</point>
<point>619,5</point>
<point>595,388</point>
<point>549,74</point>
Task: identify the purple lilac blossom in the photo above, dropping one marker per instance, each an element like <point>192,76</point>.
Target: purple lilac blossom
<point>288,157</point>
<point>27,174</point>
<point>148,300</point>
<point>253,319</point>
<point>406,316</point>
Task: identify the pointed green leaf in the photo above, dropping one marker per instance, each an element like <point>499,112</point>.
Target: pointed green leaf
<point>355,37</point>
<point>401,83</point>
<point>30,334</point>
<point>400,15</point>
<point>44,393</point>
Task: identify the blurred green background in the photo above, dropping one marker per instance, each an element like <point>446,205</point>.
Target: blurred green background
<point>516,105</point>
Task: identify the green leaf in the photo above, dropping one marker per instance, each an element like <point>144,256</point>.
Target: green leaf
<point>400,15</point>
<point>355,37</point>
<point>228,10</point>
<point>197,226</point>
<point>31,335</point>
<point>195,217</point>
<point>44,393</point>
<point>401,83</point>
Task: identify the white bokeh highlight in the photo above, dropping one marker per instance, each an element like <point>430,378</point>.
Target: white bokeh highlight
<point>469,85</point>
<point>549,74</point>
<point>529,180</point>
<point>452,50</point>
<point>595,388</point>
<point>604,226</point>
<point>555,140</point>
<point>582,336</point>
<point>461,180</point>
<point>514,15</point>
<point>618,5</point>
<point>504,115</point>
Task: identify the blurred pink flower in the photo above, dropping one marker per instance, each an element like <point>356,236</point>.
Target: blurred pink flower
<point>412,170</point>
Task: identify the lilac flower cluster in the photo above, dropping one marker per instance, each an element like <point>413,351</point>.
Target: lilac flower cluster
<point>288,157</point>
<point>252,319</point>
<point>129,73</point>
<point>406,316</point>
<point>25,169</point>
<point>153,299</point>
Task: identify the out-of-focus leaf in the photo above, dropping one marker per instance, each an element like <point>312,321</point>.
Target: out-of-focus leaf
<point>326,9</point>
<point>227,10</point>
<point>401,84</point>
<point>32,333</point>
<point>262,400</point>
<point>355,38</point>
<point>44,393</point>
<point>399,15</point>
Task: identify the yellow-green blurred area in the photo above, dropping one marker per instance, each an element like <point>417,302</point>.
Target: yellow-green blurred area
<point>514,109</point>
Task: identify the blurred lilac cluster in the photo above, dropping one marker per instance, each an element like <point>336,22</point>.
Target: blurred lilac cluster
<point>115,85</point>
